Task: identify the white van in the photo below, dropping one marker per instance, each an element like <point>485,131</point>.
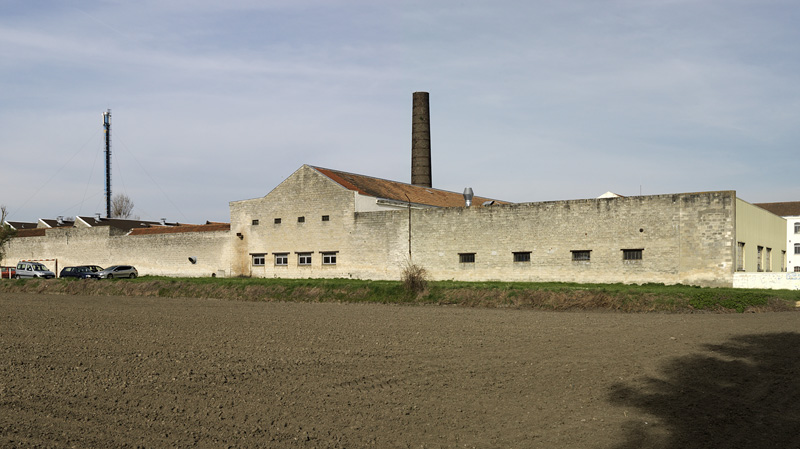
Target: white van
<point>33,270</point>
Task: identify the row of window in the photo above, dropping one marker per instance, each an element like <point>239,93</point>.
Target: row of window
<point>303,259</point>
<point>763,257</point>
<point>329,257</point>
<point>300,219</point>
<point>584,255</point>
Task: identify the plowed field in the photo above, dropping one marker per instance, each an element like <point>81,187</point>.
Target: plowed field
<point>80,371</point>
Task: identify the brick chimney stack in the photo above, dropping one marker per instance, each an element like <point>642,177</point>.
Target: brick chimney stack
<point>421,141</point>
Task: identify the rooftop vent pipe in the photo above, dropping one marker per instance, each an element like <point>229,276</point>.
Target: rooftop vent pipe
<point>421,141</point>
<point>468,196</point>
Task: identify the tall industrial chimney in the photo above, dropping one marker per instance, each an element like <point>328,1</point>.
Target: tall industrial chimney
<point>107,126</point>
<point>421,141</point>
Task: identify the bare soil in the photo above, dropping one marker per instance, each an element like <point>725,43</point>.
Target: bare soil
<point>92,371</point>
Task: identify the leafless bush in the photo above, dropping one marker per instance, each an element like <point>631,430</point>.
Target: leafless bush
<point>415,278</point>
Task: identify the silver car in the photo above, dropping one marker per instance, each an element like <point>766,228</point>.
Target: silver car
<point>33,270</point>
<point>117,271</point>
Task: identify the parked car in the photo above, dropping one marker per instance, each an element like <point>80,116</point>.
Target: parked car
<point>80,272</point>
<point>33,270</point>
<point>7,272</point>
<point>117,271</point>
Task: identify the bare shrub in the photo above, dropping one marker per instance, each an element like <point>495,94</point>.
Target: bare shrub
<point>415,278</point>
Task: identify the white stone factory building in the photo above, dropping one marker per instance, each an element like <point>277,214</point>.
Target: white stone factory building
<point>323,223</point>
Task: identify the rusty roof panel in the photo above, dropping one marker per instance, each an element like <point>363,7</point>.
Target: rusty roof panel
<point>398,191</point>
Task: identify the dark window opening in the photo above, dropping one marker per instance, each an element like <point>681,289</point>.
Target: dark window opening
<point>522,256</point>
<point>631,254</point>
<point>581,255</point>
<point>301,219</point>
<point>466,257</point>
<point>277,221</point>
<point>326,218</point>
<point>255,222</point>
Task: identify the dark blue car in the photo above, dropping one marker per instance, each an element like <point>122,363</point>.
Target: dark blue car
<point>80,272</point>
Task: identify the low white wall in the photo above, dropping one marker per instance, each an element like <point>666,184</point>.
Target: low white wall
<point>782,281</point>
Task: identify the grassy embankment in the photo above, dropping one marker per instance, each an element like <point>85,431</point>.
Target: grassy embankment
<point>544,296</point>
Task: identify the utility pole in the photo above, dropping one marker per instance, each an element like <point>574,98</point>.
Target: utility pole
<point>107,126</point>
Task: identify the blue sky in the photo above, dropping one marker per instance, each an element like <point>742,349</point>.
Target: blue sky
<point>216,101</point>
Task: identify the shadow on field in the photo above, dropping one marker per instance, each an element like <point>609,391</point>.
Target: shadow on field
<point>745,393</point>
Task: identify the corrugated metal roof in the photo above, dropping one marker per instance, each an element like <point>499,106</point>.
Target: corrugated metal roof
<point>398,191</point>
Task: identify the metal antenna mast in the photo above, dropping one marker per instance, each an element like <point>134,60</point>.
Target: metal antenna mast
<point>107,126</point>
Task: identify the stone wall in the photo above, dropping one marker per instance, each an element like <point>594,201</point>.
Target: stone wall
<point>683,238</point>
<point>686,238</point>
<point>306,213</point>
<point>158,254</point>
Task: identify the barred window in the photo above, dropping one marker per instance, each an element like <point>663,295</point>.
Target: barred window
<point>326,218</point>
<point>301,219</point>
<point>255,222</point>
<point>277,221</point>
<point>281,259</point>
<point>522,256</point>
<point>329,258</point>
<point>632,254</point>
<point>466,257</point>
<point>581,255</point>
<point>259,260</point>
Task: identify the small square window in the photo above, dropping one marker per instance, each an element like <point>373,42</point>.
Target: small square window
<point>581,255</point>
<point>281,259</point>
<point>326,218</point>
<point>631,254</point>
<point>466,257</point>
<point>277,221</point>
<point>328,258</point>
<point>255,222</point>
<point>303,258</point>
<point>301,219</point>
<point>523,256</point>
<point>259,260</point>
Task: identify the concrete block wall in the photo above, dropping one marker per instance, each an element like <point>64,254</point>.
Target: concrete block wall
<point>783,281</point>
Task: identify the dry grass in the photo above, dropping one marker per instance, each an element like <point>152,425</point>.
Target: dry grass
<point>416,289</point>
